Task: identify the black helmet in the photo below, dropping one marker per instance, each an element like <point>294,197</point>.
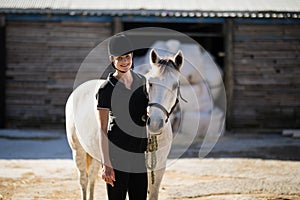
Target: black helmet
<point>119,45</point>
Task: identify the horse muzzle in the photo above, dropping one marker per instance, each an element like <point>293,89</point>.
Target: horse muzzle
<point>155,126</point>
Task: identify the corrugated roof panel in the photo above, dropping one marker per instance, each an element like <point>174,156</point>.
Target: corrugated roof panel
<point>177,8</point>
<point>34,4</point>
<point>250,5</point>
<point>201,5</point>
<point>89,4</point>
<point>58,4</point>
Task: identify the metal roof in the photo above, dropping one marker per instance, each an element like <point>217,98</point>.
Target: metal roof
<point>162,8</point>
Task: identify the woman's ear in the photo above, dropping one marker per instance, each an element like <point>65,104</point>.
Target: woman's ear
<point>111,58</point>
<point>178,58</point>
<point>153,57</point>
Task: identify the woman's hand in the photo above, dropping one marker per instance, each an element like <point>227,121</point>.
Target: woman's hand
<point>108,175</point>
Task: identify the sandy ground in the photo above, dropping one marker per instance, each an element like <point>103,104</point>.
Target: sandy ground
<point>242,172</point>
<point>185,179</point>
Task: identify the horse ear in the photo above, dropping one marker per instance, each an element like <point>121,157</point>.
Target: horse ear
<point>178,58</point>
<point>153,57</point>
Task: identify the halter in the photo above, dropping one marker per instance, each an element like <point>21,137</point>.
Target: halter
<point>165,111</point>
<point>152,144</point>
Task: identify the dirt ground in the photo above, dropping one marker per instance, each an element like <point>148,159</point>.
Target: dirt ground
<point>185,179</point>
<point>239,167</point>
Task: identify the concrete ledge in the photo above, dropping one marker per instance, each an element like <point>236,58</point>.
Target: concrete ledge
<point>15,134</point>
<point>295,133</point>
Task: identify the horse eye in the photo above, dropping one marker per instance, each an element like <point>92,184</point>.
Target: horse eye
<point>150,84</point>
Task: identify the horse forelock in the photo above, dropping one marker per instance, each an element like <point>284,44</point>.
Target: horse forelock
<point>164,65</point>
<point>167,62</point>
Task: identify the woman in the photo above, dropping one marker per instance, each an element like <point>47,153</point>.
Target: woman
<point>122,107</point>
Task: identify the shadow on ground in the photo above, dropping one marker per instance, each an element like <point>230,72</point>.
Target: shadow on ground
<point>35,144</point>
<point>263,146</point>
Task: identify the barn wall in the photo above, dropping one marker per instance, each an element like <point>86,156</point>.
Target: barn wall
<point>42,62</point>
<point>2,71</point>
<point>266,76</point>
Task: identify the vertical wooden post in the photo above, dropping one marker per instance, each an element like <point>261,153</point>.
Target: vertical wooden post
<point>2,72</point>
<point>229,75</point>
<point>117,26</point>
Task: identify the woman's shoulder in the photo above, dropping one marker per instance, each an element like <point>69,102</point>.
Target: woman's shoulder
<point>109,83</point>
<point>106,86</point>
<point>104,90</point>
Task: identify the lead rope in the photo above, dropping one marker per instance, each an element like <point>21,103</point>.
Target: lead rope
<point>152,146</point>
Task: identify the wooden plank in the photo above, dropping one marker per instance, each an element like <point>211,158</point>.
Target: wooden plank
<point>228,69</point>
<point>265,32</point>
<point>266,70</point>
<point>43,60</point>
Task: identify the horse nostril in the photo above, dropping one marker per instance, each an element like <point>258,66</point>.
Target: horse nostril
<point>161,123</point>
<point>148,121</point>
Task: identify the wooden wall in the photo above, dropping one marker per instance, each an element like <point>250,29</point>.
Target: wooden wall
<point>42,62</point>
<point>266,76</point>
<point>43,59</point>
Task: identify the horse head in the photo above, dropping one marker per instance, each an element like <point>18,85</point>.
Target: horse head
<point>163,89</point>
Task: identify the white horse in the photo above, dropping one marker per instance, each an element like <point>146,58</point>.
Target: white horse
<point>83,126</point>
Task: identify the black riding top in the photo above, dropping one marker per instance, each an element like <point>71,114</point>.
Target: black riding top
<point>127,120</point>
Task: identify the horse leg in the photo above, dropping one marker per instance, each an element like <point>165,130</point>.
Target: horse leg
<point>79,157</point>
<point>154,188</point>
<point>87,166</point>
<point>93,167</point>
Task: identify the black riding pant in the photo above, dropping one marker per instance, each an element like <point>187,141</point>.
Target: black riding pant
<point>136,184</point>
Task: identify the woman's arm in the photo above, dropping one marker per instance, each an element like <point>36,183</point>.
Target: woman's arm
<point>108,174</point>
<point>103,117</point>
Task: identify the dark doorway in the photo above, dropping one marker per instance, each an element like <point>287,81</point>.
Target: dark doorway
<point>209,36</point>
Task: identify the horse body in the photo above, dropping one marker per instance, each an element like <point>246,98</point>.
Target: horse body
<point>83,127</point>
<point>82,137</point>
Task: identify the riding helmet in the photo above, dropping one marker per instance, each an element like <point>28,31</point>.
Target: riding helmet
<point>119,45</point>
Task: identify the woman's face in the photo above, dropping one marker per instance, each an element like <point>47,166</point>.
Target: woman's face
<point>123,63</point>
